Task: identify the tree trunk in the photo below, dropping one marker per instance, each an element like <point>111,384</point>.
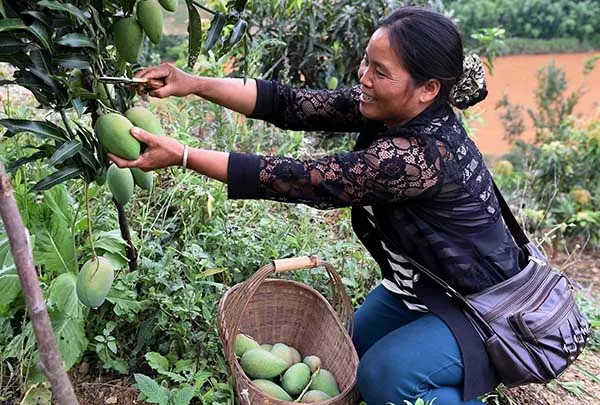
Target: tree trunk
<point>51,363</point>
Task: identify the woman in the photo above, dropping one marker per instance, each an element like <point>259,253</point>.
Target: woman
<point>417,185</point>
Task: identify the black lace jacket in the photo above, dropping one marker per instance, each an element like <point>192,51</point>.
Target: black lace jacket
<point>426,183</point>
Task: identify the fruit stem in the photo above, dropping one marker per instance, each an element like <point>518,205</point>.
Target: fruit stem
<point>89,220</point>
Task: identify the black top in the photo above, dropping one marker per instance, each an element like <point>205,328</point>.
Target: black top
<point>431,196</point>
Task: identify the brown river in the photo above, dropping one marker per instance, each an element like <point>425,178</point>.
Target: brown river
<point>516,76</point>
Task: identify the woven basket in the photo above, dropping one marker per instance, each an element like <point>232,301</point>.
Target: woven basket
<point>275,310</point>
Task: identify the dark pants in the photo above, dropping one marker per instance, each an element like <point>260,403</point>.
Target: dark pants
<point>405,355</point>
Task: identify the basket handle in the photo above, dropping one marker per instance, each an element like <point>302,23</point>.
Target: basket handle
<point>296,263</point>
<point>340,300</point>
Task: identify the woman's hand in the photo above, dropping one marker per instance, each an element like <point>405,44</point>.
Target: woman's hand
<point>160,151</point>
<point>176,81</point>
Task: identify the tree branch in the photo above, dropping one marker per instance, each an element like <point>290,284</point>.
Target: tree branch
<point>51,362</point>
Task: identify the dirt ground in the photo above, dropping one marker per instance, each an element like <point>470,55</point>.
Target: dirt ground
<point>516,76</point>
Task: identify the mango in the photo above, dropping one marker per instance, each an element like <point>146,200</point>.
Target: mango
<point>169,5</point>
<point>295,378</point>
<point>94,281</point>
<point>141,117</point>
<point>149,15</point>
<point>128,38</point>
<point>112,130</point>
<point>259,363</point>
<point>313,396</point>
<point>266,346</point>
<point>120,183</point>
<point>282,351</point>
<point>313,362</point>
<point>325,381</point>
<point>142,179</point>
<point>272,389</point>
<point>243,343</point>
<point>296,357</point>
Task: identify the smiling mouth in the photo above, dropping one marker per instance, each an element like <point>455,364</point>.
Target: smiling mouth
<point>366,99</point>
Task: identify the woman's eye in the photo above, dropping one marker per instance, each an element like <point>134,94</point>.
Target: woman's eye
<point>379,73</point>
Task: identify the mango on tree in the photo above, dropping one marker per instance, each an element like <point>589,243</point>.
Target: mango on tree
<point>149,14</point>
<point>142,179</point>
<point>120,182</point>
<point>128,38</point>
<point>143,118</point>
<point>94,281</point>
<point>169,5</point>
<point>112,130</point>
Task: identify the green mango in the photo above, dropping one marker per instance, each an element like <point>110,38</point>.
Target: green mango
<point>149,15</point>
<point>94,281</point>
<point>112,130</point>
<point>169,5</point>
<point>128,38</point>
<point>143,118</point>
<point>313,396</point>
<point>296,357</point>
<point>313,362</point>
<point>325,381</point>
<point>120,183</point>
<point>295,378</point>
<point>266,346</point>
<point>283,351</point>
<point>272,389</point>
<point>142,179</point>
<point>243,343</point>
<point>259,363</point>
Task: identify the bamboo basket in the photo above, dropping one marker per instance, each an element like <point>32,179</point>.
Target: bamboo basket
<point>275,310</point>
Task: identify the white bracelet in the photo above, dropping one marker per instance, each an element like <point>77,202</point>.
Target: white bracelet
<point>185,156</point>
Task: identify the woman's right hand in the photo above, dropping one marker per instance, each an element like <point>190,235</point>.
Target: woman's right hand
<point>176,81</point>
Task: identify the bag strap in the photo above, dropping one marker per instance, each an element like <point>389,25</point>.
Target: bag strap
<point>510,220</point>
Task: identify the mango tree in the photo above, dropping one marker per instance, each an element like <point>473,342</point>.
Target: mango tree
<point>60,50</point>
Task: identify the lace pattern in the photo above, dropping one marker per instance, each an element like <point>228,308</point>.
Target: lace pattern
<point>390,170</point>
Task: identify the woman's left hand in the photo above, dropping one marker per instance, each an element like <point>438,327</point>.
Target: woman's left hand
<point>160,151</point>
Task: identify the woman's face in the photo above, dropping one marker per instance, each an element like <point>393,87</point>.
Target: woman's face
<point>389,93</point>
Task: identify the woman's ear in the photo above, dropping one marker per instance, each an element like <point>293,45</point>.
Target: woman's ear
<point>429,90</point>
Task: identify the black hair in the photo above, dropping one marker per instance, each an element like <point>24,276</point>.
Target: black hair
<point>429,46</point>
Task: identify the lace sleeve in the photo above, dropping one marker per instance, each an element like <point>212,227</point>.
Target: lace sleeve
<point>309,110</point>
<point>390,170</point>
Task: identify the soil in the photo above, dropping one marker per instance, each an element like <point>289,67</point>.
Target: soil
<point>516,76</point>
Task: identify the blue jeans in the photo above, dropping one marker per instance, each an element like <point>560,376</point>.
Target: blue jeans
<point>404,354</point>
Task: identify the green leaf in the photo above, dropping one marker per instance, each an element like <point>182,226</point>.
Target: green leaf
<point>62,209</point>
<point>125,302</point>
<point>195,34</point>
<point>40,32</point>
<point>238,32</point>
<point>9,285</point>
<point>68,8</point>
<point>63,295</point>
<point>64,152</point>
<point>184,396</point>
<point>157,361</point>
<point>10,45</point>
<point>154,393</point>
<point>57,177</point>
<point>73,61</point>
<point>11,24</point>
<point>2,11</point>
<point>76,40</point>
<point>24,160</point>
<point>54,247</point>
<point>214,32</point>
<point>44,129</point>
<point>70,336</point>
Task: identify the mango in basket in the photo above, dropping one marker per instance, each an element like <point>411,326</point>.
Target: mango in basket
<point>296,357</point>
<point>325,381</point>
<point>296,378</point>
<point>283,351</point>
<point>266,346</point>
<point>313,362</point>
<point>272,389</point>
<point>243,343</point>
<point>314,396</point>
<point>259,363</point>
